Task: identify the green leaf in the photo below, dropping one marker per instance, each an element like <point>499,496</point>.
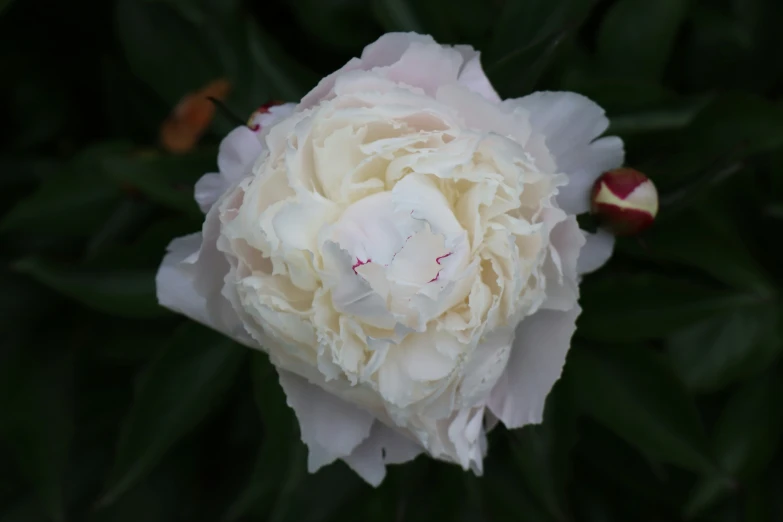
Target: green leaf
<point>707,241</point>
<point>541,452</point>
<point>525,37</point>
<point>504,499</point>
<point>165,179</point>
<point>5,4</point>
<point>624,307</point>
<point>178,47</point>
<point>746,438</point>
<point>69,203</point>
<point>36,421</point>
<point>176,392</point>
<point>166,50</point>
<point>280,76</point>
<point>280,460</point>
<point>398,15</point>
<point>123,293</point>
<point>343,24</point>
<point>637,37</point>
<point>316,497</point>
<point>634,392</point>
<point>128,217</point>
<point>656,117</point>
<point>604,456</point>
<point>732,127</point>
<point>718,351</point>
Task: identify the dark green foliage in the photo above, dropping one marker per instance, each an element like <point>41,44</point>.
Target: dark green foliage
<point>112,409</point>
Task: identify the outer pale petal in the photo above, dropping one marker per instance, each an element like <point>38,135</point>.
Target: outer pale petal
<point>383,446</point>
<point>596,252</point>
<point>174,280</point>
<point>570,122</point>
<point>472,74</point>
<point>536,362</point>
<point>190,281</point>
<point>238,152</point>
<point>385,51</point>
<point>208,189</point>
<point>331,428</point>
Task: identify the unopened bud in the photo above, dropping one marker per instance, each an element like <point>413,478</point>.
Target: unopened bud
<point>625,201</point>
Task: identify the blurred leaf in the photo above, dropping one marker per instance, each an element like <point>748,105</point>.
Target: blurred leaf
<point>344,24</point>
<point>640,306</point>
<point>179,47</point>
<point>26,510</point>
<point>656,117</point>
<point>398,15</point>
<point>704,240</point>
<point>732,127</point>
<point>637,37</point>
<point>635,393</point>
<point>124,293</point>
<point>525,37</point>
<point>503,499</point>
<point>125,219</point>
<point>36,421</point>
<point>718,351</point>
<point>176,392</point>
<point>170,492</point>
<point>745,439</point>
<point>165,179</point>
<point>603,455</point>
<point>39,108</point>
<point>132,108</point>
<point>280,460</point>
<point>281,77</point>
<point>315,497</point>
<point>167,50</point>
<point>733,46</point>
<point>774,210</point>
<point>67,203</point>
<point>541,452</point>
<point>22,303</point>
<point>5,4</point>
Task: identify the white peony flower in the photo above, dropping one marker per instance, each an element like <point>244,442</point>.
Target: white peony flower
<point>404,246</point>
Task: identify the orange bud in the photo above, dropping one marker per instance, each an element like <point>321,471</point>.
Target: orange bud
<point>190,119</point>
<point>625,201</point>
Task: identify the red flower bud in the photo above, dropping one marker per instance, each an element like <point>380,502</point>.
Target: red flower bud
<point>625,201</point>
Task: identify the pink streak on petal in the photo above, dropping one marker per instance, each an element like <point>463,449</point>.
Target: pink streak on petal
<point>359,263</point>
<point>437,260</point>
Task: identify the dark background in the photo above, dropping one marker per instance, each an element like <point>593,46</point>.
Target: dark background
<point>113,409</point>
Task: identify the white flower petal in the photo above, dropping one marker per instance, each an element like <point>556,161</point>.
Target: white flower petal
<point>238,151</point>
<point>596,252</point>
<point>383,446</point>
<point>425,65</point>
<point>331,428</point>
<point>563,289</point>
<point>208,189</point>
<point>536,362</point>
<point>174,280</point>
<point>190,281</point>
<point>390,47</point>
<point>570,122</point>
<point>472,74</point>
<point>383,52</point>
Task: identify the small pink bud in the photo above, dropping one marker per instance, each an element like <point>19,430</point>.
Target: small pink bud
<point>625,201</point>
<point>256,120</point>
